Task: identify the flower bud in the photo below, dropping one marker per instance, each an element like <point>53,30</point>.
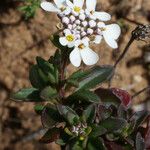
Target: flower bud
<point>82,17</point>
<point>92,23</point>
<point>99,31</point>
<point>90,31</point>
<point>70,26</point>
<point>74,26</point>
<point>77,22</point>
<point>84,23</point>
<point>65,20</point>
<point>83,33</point>
<point>72,18</point>
<point>78,36</point>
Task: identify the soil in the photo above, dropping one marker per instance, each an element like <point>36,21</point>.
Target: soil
<point>22,41</point>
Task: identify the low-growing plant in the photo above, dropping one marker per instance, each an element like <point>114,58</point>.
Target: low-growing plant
<point>78,113</point>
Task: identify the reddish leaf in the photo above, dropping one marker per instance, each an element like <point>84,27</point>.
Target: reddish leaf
<point>51,135</point>
<point>147,135</point>
<point>113,146</point>
<point>123,95</point>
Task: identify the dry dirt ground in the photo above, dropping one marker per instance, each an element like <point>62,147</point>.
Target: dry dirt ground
<point>21,42</point>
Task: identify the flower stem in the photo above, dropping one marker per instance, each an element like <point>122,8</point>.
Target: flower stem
<point>124,52</point>
<point>141,91</point>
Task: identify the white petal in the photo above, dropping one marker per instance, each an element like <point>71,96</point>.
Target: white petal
<point>69,3</point>
<point>67,11</point>
<point>98,39</point>
<point>89,57</point>
<point>63,41</point>
<point>85,41</point>
<point>47,6</point>
<point>111,42</point>
<point>78,3</point>
<point>59,3</point>
<point>91,5</point>
<point>68,32</point>
<point>75,57</point>
<point>71,44</point>
<point>77,43</point>
<point>103,16</point>
<point>113,30</point>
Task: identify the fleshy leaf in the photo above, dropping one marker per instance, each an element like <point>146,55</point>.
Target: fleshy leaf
<point>27,95</point>
<point>69,114</point>
<point>140,145</point>
<point>38,109</point>
<point>123,95</point>
<point>113,124</point>
<point>51,135</point>
<point>97,131</point>
<point>89,114</point>
<point>97,75</point>
<point>96,144</point>
<point>37,78</point>
<point>84,95</point>
<point>48,93</point>
<point>50,116</point>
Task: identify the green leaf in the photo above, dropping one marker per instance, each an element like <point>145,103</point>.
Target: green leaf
<point>140,145</point>
<point>48,93</point>
<point>72,82</point>
<point>48,69</point>
<point>51,135</point>
<point>84,95</point>
<point>69,114</point>
<point>96,144</point>
<point>113,124</point>
<point>38,109</point>
<point>107,97</point>
<point>139,118</point>
<point>97,131</point>
<point>37,78</point>
<point>78,75</point>
<point>27,95</point>
<point>89,114</point>
<point>96,76</point>
<point>50,116</point>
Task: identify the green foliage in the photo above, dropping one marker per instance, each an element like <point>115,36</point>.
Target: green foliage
<point>77,115</point>
<point>29,8</point>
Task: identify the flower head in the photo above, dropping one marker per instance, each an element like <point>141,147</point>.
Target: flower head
<point>82,27</point>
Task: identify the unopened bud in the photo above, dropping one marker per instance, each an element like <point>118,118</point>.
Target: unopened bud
<point>70,26</point>
<point>83,33</point>
<point>82,17</point>
<point>90,31</point>
<point>72,18</point>
<point>84,23</point>
<point>65,20</point>
<point>77,22</point>
<point>92,23</point>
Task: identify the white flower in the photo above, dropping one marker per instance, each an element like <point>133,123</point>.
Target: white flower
<point>90,11</point>
<point>68,39</point>
<point>110,33</point>
<point>59,6</point>
<point>83,52</point>
<point>76,6</point>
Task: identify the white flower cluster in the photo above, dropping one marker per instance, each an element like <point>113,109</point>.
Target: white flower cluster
<point>82,27</point>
